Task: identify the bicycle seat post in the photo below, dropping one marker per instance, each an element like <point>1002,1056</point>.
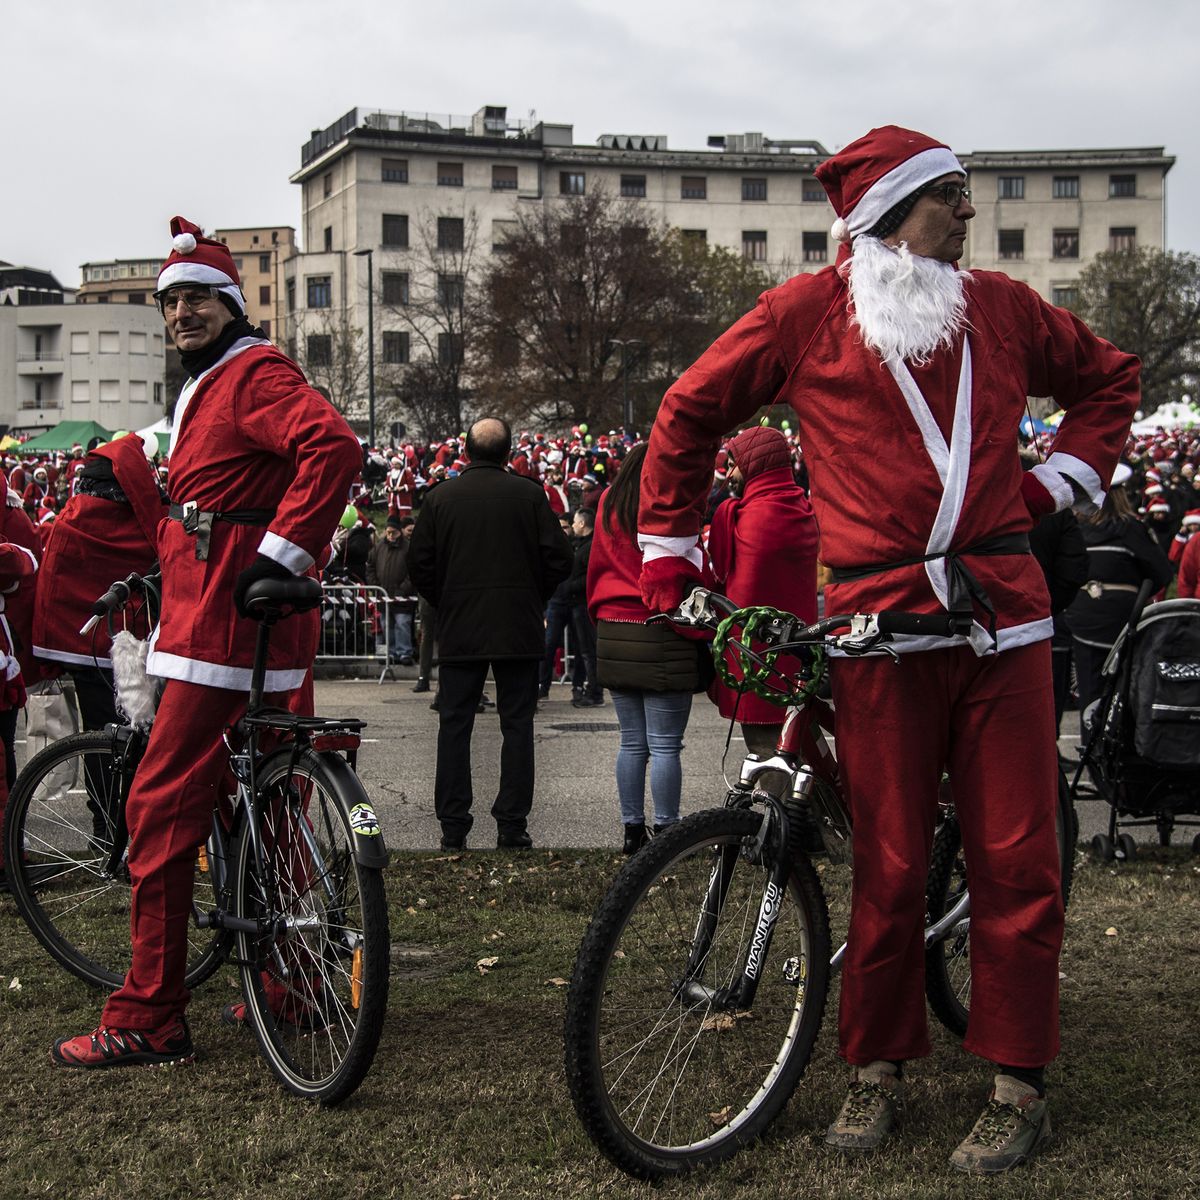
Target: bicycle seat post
<point>259,673</point>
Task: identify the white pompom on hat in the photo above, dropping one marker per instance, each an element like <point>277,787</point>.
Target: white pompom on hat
<point>873,174</point>
<point>200,260</point>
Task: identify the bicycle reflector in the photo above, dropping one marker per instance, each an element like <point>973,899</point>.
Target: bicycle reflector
<point>746,669</point>
<point>336,741</point>
<point>356,978</point>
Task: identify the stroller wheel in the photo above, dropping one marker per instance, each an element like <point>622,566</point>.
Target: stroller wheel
<point>1102,848</point>
<point>1127,847</point>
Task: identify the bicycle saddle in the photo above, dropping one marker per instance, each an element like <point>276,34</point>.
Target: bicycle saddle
<point>268,597</point>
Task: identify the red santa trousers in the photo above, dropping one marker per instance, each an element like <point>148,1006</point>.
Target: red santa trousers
<point>169,814</point>
<point>990,723</point>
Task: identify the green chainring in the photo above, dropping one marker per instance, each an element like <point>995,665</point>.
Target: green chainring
<point>758,667</point>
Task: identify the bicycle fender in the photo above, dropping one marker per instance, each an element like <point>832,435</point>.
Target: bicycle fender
<point>369,848</point>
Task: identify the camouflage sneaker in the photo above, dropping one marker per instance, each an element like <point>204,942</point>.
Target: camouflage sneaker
<point>1013,1124</point>
<point>870,1113</point>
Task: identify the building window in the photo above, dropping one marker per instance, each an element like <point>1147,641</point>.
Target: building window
<point>450,291</point>
<point>395,348</point>
<point>110,343</point>
<point>137,343</point>
<point>1012,243</point>
<point>394,170</point>
<point>264,295</point>
<point>754,189</point>
<point>320,291</point>
<point>450,348</point>
<point>158,395</point>
<point>1011,187</point>
<point>1122,185</point>
<point>693,187</point>
<point>811,192</point>
<point>137,391</point>
<point>102,299</point>
<point>264,264</point>
<point>265,326</point>
<point>80,391</point>
<point>1066,187</point>
<point>395,230</point>
<point>1066,243</point>
<point>291,295</point>
<point>633,185</point>
<point>503,231</point>
<point>815,247</point>
<point>319,349</point>
<point>79,343</point>
<point>137,297</point>
<point>450,174</point>
<point>1064,297</point>
<point>754,245</point>
<point>327,184</point>
<point>571,183</point>
<point>110,391</point>
<point>1120,237</point>
<point>504,178</point>
<point>450,233</point>
<point>695,235</point>
<point>328,238</point>
<point>395,287</point>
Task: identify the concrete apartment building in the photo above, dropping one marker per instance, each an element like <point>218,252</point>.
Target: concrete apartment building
<point>118,281</point>
<point>389,182</point>
<point>259,254</point>
<point>64,361</point>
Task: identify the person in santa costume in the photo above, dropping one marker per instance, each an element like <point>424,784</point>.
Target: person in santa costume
<point>1189,556</point>
<point>907,379</point>
<point>260,463</point>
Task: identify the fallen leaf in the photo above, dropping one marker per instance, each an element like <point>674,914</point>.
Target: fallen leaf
<point>557,981</point>
<point>722,1117</point>
<point>492,903</point>
<point>618,954</point>
<point>484,965</point>
<point>412,910</point>
<point>14,984</point>
<point>1111,931</point>
<point>422,902</point>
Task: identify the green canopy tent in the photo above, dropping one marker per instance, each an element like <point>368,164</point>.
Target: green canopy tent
<point>65,435</point>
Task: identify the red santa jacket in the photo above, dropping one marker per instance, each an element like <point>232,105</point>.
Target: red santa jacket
<point>95,541</point>
<point>764,552</point>
<point>18,568</point>
<point>1189,568</point>
<point>899,472</point>
<point>250,433</point>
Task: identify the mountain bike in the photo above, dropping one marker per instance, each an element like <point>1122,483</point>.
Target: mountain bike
<point>290,879</point>
<point>700,985</point>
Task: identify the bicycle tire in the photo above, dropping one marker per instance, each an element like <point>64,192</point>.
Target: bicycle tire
<point>948,962</point>
<point>316,1026</point>
<point>737,1073</point>
<point>59,830</point>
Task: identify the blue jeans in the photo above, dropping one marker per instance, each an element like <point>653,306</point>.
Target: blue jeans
<point>402,634</point>
<point>652,725</point>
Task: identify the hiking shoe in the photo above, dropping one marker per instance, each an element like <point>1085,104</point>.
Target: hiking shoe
<point>870,1113</point>
<point>1014,1123</point>
<point>168,1045</point>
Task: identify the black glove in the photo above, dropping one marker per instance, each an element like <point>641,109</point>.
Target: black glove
<point>261,568</point>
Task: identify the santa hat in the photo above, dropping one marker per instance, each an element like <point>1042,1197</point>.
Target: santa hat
<point>873,174</point>
<point>200,260</point>
<point>1155,489</point>
<point>1158,506</point>
<point>1191,519</point>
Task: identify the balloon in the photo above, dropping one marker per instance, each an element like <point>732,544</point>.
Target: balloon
<point>583,429</point>
<point>587,437</point>
<point>349,517</point>
<point>785,426</point>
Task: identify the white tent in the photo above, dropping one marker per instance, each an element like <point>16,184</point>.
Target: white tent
<point>161,430</point>
<point>1178,414</point>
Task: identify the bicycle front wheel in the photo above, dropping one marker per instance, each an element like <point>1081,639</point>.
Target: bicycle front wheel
<point>665,1074</point>
<point>316,979</point>
<point>64,820</point>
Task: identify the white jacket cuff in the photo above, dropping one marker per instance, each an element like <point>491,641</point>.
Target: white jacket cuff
<point>285,553</point>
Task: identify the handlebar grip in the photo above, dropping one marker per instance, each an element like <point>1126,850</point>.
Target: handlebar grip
<point>935,624</point>
<point>112,600</point>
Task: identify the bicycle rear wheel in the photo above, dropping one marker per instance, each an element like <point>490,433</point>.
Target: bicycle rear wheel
<point>64,817</point>
<point>948,962</point>
<point>316,986</point>
<point>664,1080</point>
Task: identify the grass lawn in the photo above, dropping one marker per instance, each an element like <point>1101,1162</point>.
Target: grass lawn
<point>467,1096</point>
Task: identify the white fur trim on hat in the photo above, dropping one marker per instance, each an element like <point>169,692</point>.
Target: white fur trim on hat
<point>177,273</point>
<point>899,182</point>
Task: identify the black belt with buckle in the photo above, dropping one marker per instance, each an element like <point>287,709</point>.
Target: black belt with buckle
<point>199,524</point>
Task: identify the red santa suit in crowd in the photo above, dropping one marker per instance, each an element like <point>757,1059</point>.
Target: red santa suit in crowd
<point>251,439</point>
<point>1188,558</point>
<point>933,447</point>
<point>556,495</point>
<point>401,486</point>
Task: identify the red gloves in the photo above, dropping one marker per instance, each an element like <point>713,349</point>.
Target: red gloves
<point>666,580</point>
<point>1037,499</point>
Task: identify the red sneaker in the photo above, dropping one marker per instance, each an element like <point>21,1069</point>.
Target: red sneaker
<point>168,1045</point>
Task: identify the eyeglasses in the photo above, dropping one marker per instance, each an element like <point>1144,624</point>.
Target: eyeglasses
<point>951,194</point>
<point>195,298</point>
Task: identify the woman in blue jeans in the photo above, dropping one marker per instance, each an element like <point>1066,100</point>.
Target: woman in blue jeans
<point>651,670</point>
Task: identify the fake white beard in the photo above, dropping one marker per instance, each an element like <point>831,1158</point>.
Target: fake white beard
<point>907,307</point>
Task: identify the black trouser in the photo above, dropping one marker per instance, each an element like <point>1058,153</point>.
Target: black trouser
<point>8,735</point>
<point>558,620</point>
<point>1088,663</point>
<point>460,686</point>
<point>585,648</point>
<point>97,700</point>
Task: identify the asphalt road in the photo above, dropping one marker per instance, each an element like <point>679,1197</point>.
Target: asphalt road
<point>575,803</point>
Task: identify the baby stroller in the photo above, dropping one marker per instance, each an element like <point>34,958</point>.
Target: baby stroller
<point>1143,744</point>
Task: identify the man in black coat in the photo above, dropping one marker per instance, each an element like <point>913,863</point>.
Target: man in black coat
<point>487,553</point>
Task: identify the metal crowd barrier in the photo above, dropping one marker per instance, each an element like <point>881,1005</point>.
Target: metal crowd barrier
<point>356,625</point>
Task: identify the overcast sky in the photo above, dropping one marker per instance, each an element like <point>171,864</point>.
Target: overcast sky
<point>119,113</point>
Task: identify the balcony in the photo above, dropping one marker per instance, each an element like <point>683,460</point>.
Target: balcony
<point>48,362</point>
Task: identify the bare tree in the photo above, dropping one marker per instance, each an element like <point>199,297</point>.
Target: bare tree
<point>333,354</point>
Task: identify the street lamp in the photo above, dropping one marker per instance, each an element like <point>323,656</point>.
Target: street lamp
<point>626,408</point>
<point>370,343</point>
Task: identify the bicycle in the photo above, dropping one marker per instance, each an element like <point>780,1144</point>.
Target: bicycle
<point>700,985</point>
<point>291,877</point>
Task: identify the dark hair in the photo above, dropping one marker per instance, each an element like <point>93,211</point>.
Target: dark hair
<point>895,216</point>
<point>623,497</point>
<point>487,443</point>
<point>588,515</point>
